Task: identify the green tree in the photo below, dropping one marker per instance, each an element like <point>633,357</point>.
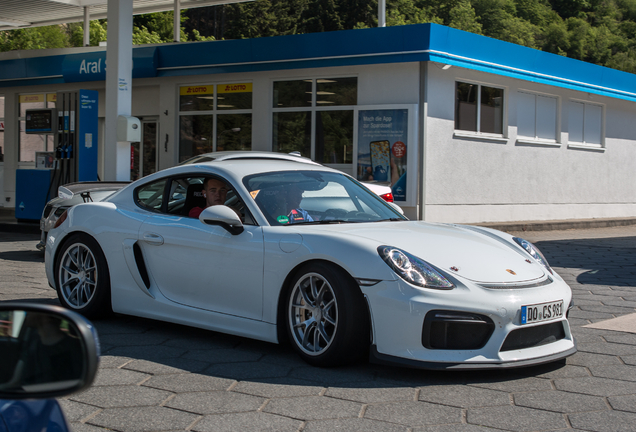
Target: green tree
<point>53,36</point>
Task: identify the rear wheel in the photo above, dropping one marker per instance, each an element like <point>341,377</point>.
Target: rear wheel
<point>82,279</point>
<point>327,321</point>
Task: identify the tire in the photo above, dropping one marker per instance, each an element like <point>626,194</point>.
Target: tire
<point>81,277</point>
<point>326,316</point>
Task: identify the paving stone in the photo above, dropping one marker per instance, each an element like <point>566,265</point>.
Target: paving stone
<point>591,359</point>
<point>222,355</point>
<point>75,411</point>
<point>559,401</point>
<point>514,418</point>
<point>203,340</point>
<point>331,376</point>
<point>180,383</point>
<point>559,371</point>
<point>219,402</point>
<point>515,384</point>
<point>146,352</point>
<point>606,421</point>
<point>410,413</point>
<point>607,348</point>
<point>144,419</point>
<point>83,427</point>
<point>111,377</point>
<point>122,396</point>
<point>248,370</point>
<point>313,408</point>
<point>630,360</point>
<point>166,366</point>
<point>623,403</point>
<point>458,428</point>
<point>621,338</point>
<point>247,422</point>
<point>135,339</point>
<point>112,362</point>
<point>278,387</point>
<point>352,425</point>
<point>463,396</point>
<point>596,386</point>
<point>372,392</point>
<point>620,372</point>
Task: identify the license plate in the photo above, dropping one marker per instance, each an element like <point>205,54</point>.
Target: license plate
<point>541,312</point>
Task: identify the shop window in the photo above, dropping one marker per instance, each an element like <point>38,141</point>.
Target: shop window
<point>1,128</point>
<point>29,144</point>
<point>214,118</point>
<point>537,116</point>
<point>478,108</point>
<point>585,124</point>
<point>311,116</point>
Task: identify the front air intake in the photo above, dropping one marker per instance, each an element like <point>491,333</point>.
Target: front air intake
<point>453,330</point>
<point>529,337</point>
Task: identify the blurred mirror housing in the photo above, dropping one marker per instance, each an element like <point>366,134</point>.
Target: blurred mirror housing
<point>47,351</point>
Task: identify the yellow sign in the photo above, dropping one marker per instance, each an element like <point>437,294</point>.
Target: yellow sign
<point>51,97</point>
<point>196,90</point>
<point>235,88</point>
<point>31,98</point>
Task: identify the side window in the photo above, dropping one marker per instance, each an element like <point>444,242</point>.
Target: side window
<point>186,194</point>
<point>478,108</point>
<point>150,196</point>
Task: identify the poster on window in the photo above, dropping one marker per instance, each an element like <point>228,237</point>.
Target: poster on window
<point>382,148</point>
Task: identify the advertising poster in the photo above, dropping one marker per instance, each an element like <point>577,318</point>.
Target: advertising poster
<point>382,148</point>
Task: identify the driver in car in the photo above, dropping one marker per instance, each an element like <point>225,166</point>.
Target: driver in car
<point>214,192</point>
<point>296,214</point>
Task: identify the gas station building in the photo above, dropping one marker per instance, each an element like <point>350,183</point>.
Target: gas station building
<point>467,129</point>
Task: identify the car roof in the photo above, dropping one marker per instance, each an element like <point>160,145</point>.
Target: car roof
<point>236,169</point>
<point>234,155</point>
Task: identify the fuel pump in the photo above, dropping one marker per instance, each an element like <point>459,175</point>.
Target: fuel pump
<point>75,144</point>
<point>76,137</point>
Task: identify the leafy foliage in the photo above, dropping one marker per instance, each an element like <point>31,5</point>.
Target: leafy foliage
<point>597,31</point>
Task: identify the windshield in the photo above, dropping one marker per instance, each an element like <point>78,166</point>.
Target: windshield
<point>315,197</point>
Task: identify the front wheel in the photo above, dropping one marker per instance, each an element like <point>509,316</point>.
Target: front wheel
<point>326,317</point>
<point>82,279</point>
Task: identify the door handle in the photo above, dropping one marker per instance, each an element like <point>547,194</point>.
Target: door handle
<point>153,238</point>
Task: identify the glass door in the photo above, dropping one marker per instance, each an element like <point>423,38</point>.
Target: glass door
<point>143,155</point>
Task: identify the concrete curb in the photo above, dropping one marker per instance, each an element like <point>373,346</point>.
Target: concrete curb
<point>557,224</point>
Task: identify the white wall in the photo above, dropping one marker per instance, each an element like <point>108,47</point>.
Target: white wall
<point>480,180</point>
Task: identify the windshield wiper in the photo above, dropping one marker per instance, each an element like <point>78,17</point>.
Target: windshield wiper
<point>391,220</point>
<point>322,222</point>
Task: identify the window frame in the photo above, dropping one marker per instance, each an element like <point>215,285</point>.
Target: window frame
<point>3,146</point>
<point>214,112</point>
<point>585,145</point>
<point>487,136</point>
<point>313,109</point>
<point>525,139</point>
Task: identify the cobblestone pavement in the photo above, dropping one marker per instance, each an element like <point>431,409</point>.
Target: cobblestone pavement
<point>155,376</point>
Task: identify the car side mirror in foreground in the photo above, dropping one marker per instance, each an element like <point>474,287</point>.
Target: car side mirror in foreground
<point>223,216</point>
<point>46,351</point>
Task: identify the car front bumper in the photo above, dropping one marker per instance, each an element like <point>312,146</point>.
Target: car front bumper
<point>484,323</point>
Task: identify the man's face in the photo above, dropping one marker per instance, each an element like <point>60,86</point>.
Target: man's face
<point>215,192</point>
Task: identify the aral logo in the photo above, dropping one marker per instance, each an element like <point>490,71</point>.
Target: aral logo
<point>91,67</point>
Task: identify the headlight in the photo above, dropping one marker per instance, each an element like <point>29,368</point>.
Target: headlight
<point>534,252</point>
<point>413,270</point>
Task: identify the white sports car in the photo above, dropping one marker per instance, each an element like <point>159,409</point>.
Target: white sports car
<point>306,253</point>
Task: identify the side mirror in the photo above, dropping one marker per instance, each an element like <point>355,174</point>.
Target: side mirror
<point>397,207</point>
<point>223,216</point>
<point>47,351</point>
